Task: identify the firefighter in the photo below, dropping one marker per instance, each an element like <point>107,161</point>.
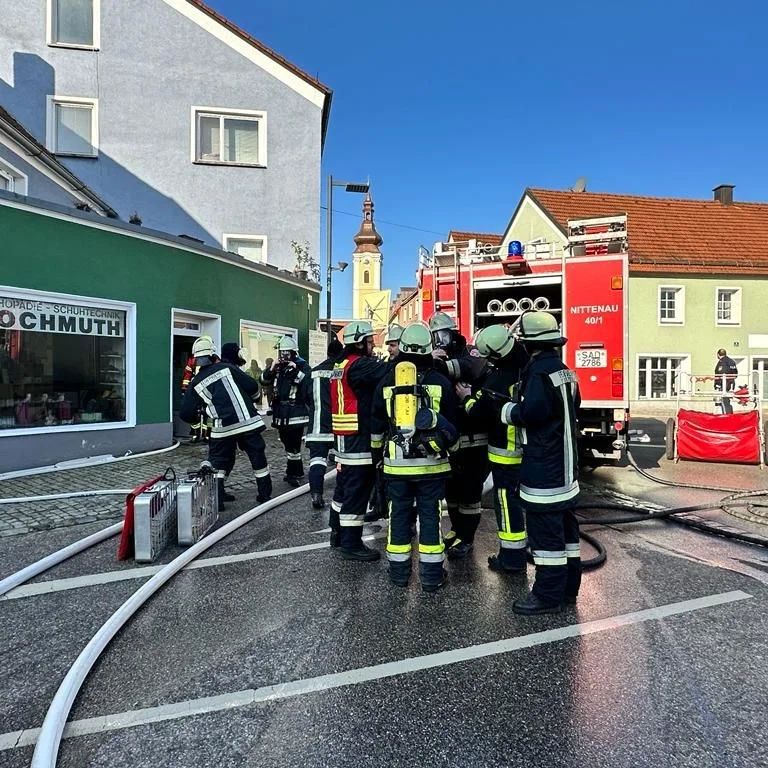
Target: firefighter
<point>392,340</point>
<point>353,382</point>
<point>545,409</point>
<point>290,377</point>
<point>413,412</point>
<point>227,392</point>
<point>199,429</point>
<point>469,466</point>
<point>319,439</point>
<point>506,360</point>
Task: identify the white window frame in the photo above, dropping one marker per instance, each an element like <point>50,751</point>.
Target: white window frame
<point>264,251</point>
<point>130,360</point>
<point>757,377</point>
<point>249,114</point>
<point>50,15</point>
<point>19,180</point>
<point>680,299</point>
<point>685,367</point>
<point>52,102</point>
<point>736,304</point>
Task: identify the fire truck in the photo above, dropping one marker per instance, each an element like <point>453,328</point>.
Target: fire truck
<point>584,283</point>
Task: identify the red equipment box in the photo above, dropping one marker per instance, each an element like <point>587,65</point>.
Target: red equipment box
<point>732,438</point>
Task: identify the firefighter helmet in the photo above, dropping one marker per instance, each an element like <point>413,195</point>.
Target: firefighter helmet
<point>357,331</point>
<point>541,328</point>
<point>287,344</point>
<point>203,346</point>
<point>495,341</point>
<point>441,321</point>
<point>394,332</point>
<point>416,339</point>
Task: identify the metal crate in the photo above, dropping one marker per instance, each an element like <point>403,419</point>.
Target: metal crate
<point>198,507</point>
<point>154,522</point>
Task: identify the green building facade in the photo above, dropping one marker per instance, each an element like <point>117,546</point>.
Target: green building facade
<point>97,319</point>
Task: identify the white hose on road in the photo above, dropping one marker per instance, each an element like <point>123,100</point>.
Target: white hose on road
<point>70,495</point>
<point>35,569</point>
<point>86,462</point>
<point>47,747</point>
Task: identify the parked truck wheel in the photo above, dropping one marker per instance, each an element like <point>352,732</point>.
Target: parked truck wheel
<point>669,440</point>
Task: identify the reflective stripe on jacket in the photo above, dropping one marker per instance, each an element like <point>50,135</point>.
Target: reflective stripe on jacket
<point>344,406</point>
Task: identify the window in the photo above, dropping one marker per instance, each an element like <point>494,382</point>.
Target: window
<point>251,247</point>
<point>366,277</point>
<point>658,377</point>
<point>12,179</point>
<point>759,379</point>
<point>728,306</point>
<point>229,138</point>
<point>671,305</point>
<point>73,23</point>
<point>73,126</point>
<point>62,362</point>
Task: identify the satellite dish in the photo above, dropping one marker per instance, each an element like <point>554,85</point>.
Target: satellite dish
<point>580,185</point>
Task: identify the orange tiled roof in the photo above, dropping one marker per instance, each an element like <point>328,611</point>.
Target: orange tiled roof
<point>482,237</point>
<point>675,235</point>
<point>272,55</point>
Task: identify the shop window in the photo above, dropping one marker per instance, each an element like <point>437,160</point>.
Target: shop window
<point>61,364</point>
<point>229,137</point>
<point>659,377</point>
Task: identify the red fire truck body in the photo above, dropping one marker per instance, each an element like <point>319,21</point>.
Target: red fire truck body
<point>585,285</point>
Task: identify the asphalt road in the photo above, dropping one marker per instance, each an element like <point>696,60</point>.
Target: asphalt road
<point>281,654</point>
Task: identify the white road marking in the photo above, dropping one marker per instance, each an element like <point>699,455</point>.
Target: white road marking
<point>114,722</point>
<point>109,577</point>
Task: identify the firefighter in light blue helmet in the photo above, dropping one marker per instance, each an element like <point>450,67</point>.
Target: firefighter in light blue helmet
<point>545,407</point>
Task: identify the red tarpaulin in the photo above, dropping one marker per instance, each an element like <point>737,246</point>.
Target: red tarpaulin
<point>125,547</point>
<point>731,438</point>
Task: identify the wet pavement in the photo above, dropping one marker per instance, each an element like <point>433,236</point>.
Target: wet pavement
<point>282,654</point>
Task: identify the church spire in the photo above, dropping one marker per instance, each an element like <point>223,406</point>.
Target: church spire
<point>367,240</point>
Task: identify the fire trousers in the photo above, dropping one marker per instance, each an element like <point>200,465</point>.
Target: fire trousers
<point>553,534</point>
<point>318,463</point>
<point>336,503</point>
<point>510,518</point>
<point>357,483</point>
<point>290,437</point>
<point>428,494</point>
<point>464,491</point>
<point>222,451</point>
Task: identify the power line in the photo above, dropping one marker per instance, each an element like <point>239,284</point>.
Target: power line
<point>384,221</point>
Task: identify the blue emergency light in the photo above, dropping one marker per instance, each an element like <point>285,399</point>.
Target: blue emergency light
<point>514,249</point>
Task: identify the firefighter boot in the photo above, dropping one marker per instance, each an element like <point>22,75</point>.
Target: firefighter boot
<point>229,496</point>
<point>360,552</point>
<point>264,487</point>
<point>506,562</point>
<point>318,502</point>
<point>400,573</point>
<point>458,549</point>
<point>432,576</point>
<point>220,492</point>
<point>531,605</point>
<point>294,482</point>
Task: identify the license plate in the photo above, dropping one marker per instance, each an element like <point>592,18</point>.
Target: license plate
<point>591,358</point>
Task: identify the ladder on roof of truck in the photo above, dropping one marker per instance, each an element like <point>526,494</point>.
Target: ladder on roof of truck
<point>597,236</point>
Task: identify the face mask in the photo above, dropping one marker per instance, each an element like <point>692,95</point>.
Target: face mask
<point>443,338</point>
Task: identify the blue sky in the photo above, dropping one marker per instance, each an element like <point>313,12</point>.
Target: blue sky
<point>453,109</point>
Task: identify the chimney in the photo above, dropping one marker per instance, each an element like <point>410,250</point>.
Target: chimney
<point>724,193</point>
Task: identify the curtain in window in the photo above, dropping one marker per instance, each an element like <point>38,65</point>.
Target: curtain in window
<point>73,129</point>
<point>241,141</point>
<point>210,138</point>
<point>73,22</point>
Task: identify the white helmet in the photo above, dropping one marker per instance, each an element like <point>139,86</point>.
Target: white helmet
<point>394,332</point>
<point>541,327</point>
<point>357,331</point>
<point>287,344</point>
<point>203,347</point>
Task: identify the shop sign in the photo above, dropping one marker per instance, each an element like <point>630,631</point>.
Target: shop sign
<point>318,347</point>
<point>53,317</point>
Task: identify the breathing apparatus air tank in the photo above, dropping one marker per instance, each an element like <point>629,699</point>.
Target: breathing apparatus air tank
<point>406,404</point>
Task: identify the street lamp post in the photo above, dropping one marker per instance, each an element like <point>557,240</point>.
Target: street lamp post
<point>349,187</point>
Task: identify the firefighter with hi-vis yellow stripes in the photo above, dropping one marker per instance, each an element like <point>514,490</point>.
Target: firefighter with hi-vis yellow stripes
<point>483,408</point>
<point>414,412</point>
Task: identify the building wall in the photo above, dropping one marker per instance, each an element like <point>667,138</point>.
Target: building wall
<point>698,337</point>
<point>152,67</point>
<point>38,184</point>
<point>530,224</point>
<point>61,255</point>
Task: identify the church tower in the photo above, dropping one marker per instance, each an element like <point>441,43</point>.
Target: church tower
<point>366,263</point>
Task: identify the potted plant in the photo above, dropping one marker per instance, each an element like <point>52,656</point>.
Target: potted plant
<point>306,266</point>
